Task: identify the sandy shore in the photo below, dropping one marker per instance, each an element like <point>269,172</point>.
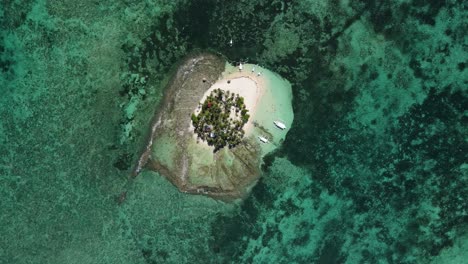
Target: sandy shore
<point>247,84</point>
<point>267,97</point>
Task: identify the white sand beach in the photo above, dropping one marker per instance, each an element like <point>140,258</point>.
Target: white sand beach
<point>266,95</point>
<point>248,85</point>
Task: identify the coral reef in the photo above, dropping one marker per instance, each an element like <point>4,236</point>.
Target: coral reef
<point>373,169</point>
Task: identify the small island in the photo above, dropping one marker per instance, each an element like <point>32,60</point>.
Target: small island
<point>220,119</point>
<point>215,124</point>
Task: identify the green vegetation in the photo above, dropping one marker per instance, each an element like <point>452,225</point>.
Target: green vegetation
<point>221,119</point>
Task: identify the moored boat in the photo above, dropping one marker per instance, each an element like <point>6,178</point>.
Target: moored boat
<point>279,124</point>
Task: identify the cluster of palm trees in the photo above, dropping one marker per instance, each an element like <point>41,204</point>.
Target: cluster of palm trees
<point>221,119</point>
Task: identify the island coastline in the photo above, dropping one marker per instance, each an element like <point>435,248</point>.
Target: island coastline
<point>190,164</point>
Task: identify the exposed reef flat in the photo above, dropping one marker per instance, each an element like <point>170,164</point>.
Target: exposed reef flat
<point>175,152</point>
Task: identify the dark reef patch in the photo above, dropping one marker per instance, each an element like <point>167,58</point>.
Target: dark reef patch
<point>123,162</point>
<point>194,20</point>
<point>244,23</point>
<point>228,232</point>
<point>330,252</point>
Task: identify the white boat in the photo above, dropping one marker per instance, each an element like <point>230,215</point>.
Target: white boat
<point>279,124</point>
<point>262,139</point>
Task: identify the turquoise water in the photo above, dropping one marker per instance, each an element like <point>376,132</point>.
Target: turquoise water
<point>373,170</point>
